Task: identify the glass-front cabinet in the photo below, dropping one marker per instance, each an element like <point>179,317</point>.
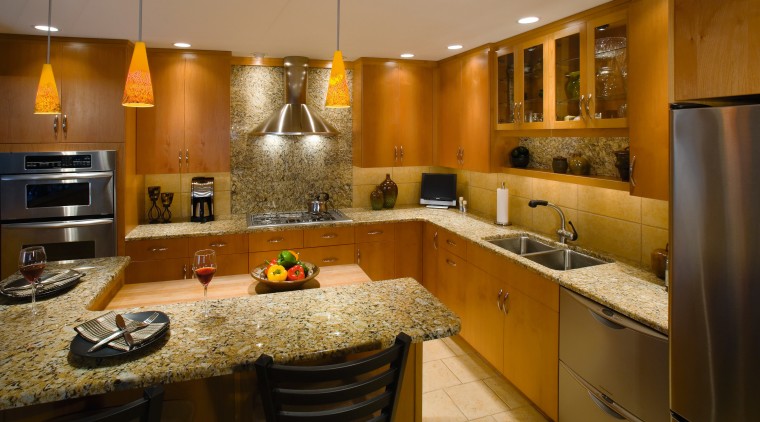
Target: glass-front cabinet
<point>521,76</point>
<point>574,78</point>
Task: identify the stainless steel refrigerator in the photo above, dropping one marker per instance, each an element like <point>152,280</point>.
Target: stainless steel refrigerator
<point>715,263</point>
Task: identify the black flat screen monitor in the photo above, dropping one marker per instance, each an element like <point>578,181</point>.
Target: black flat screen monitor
<point>438,190</point>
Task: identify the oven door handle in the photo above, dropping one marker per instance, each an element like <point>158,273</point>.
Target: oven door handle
<point>60,224</point>
<point>58,176</point>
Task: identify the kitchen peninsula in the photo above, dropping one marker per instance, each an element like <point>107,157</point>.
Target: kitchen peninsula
<point>316,324</point>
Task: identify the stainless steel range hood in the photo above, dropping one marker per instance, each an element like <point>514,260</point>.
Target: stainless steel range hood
<point>295,117</point>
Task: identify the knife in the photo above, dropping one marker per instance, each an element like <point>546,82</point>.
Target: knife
<point>99,345</point>
<point>125,332</point>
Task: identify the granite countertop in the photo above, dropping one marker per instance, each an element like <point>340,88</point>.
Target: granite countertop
<point>37,366</point>
<point>633,292</point>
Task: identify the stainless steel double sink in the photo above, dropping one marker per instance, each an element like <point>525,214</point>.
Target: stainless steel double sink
<point>556,258</point>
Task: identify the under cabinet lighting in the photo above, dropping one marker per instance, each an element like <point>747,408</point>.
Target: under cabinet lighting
<point>527,20</point>
<point>455,47</point>
<point>407,55</point>
<point>45,28</point>
<point>182,45</point>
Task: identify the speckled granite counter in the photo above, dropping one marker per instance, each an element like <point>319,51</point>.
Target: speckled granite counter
<point>36,365</point>
<point>626,289</point>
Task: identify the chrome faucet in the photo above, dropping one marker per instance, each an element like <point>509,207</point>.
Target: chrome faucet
<point>563,233</point>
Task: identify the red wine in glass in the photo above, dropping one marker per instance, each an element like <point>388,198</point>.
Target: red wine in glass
<point>31,263</point>
<point>204,267</point>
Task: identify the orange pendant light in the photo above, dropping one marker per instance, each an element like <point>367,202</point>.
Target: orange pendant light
<point>138,91</point>
<point>47,100</point>
<point>337,88</point>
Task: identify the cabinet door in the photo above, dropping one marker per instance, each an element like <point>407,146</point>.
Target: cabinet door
<point>92,86</point>
<point>207,112</point>
<point>223,245</point>
<point>570,78</point>
<point>20,71</point>
<point>377,259</point>
<point>607,59</point>
<point>379,114</point>
<point>160,129</point>
<point>430,257</point>
<point>649,114</point>
<point>484,328</point>
<point>533,105</point>
<point>415,108</point>
<point>232,264</point>
<point>450,99</point>
<point>166,269</point>
<point>275,240</point>
<point>506,88</point>
<point>328,236</point>
<point>409,257</point>
<point>452,283</point>
<point>476,111</point>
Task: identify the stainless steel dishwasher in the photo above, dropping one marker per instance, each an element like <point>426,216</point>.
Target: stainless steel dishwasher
<point>611,367</point>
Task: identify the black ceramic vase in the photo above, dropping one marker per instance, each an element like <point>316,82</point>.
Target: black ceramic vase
<point>519,157</point>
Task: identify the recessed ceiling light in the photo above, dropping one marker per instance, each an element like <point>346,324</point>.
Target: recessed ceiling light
<point>182,45</point>
<point>45,28</point>
<point>407,55</point>
<point>455,47</point>
<point>528,19</point>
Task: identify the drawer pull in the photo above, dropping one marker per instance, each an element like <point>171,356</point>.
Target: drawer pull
<point>329,236</point>
<point>498,299</point>
<point>328,260</point>
<point>375,232</point>
<point>435,240</point>
<point>504,303</point>
<point>218,245</point>
<point>276,240</point>
<point>184,271</point>
<point>450,262</point>
<point>451,242</point>
<point>158,249</point>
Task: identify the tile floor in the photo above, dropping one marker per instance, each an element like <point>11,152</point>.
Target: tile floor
<point>458,385</point>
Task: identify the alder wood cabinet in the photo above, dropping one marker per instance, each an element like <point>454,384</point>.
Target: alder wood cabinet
<point>90,76</point>
<point>392,113</point>
<point>375,250</point>
<point>188,130</point>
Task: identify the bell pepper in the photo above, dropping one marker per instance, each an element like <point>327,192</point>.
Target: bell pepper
<point>277,273</point>
<point>296,272</point>
<point>269,264</point>
<point>287,258</point>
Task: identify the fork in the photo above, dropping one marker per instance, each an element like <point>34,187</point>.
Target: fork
<point>131,327</point>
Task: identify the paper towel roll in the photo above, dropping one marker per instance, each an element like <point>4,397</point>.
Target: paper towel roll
<point>502,206</point>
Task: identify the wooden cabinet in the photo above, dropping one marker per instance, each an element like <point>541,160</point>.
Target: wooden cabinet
<point>430,239</point>
<point>453,243</point>
<point>188,130</point>
<point>375,250</point>
<point>90,78</point>
<point>521,79</point>
<point>392,113</point>
<point>275,240</point>
<point>326,236</point>
<point>485,320</point>
<point>409,256</point>
<point>463,129</point>
<point>451,285</point>
<point>329,255</point>
<point>715,48</point>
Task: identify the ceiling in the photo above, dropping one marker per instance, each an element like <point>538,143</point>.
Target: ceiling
<point>279,28</point>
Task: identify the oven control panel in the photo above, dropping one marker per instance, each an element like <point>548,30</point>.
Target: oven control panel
<point>40,162</point>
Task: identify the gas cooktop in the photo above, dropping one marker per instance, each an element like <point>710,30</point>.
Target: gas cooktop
<point>271,219</point>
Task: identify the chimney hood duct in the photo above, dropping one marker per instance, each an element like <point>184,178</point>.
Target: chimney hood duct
<point>295,117</point>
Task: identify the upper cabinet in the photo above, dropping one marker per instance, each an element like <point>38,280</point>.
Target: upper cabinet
<point>392,113</point>
<point>572,78</point>
<point>463,130</point>
<point>188,130</point>
<point>90,78</point>
<point>715,48</point>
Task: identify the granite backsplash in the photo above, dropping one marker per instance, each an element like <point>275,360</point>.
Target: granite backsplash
<point>280,173</point>
<point>599,152</point>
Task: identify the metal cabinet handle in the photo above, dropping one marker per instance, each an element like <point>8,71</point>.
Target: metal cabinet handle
<point>580,106</point>
<point>606,409</point>
<point>184,271</point>
<point>65,126</point>
<point>161,249</point>
<point>435,240</point>
<point>498,299</point>
<point>588,107</point>
<point>55,126</point>
<point>504,303</point>
<point>401,153</point>
<point>179,157</point>
<point>520,111</point>
<point>328,260</point>
<point>462,156</point>
<point>187,158</point>
<point>450,262</point>
<point>276,240</point>
<point>515,115</point>
<point>329,236</point>
<point>375,232</point>
<point>358,256</point>
<point>218,245</point>
<point>630,171</point>
<point>395,153</point>
<point>451,242</point>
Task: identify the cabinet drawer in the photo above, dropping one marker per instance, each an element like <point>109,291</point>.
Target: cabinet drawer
<point>329,255</point>
<point>374,232</point>
<point>453,243</point>
<point>148,271</point>
<point>223,245</point>
<point>328,236</point>
<point>232,264</point>
<point>275,241</point>
<point>146,250</point>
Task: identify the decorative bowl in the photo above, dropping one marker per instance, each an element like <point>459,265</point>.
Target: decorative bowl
<point>258,275</point>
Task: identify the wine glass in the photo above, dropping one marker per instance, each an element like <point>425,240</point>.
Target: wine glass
<point>204,267</point>
<point>31,263</point>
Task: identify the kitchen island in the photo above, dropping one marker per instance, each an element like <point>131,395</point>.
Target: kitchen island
<point>306,325</point>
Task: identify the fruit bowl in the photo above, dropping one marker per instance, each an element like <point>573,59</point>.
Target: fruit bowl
<point>280,286</point>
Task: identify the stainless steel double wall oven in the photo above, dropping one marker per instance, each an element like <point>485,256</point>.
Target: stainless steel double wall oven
<point>63,201</point>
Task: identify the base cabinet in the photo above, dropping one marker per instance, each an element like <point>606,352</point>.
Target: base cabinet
<point>430,257</point>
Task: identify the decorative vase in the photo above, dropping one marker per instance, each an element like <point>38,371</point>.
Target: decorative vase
<point>579,165</point>
<point>390,192</point>
<point>559,165</point>
<point>622,161</point>
<point>519,157</point>
<point>376,198</point>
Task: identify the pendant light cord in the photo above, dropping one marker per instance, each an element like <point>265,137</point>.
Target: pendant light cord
<point>139,25</point>
<point>338,47</point>
<point>50,14</point>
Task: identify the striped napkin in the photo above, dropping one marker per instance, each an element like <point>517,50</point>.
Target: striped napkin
<point>101,327</point>
<point>49,281</point>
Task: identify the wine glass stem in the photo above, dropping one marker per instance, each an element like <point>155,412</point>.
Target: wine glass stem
<point>34,297</point>
<point>205,301</point>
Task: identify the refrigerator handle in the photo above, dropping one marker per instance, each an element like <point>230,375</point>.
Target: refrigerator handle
<point>606,409</point>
